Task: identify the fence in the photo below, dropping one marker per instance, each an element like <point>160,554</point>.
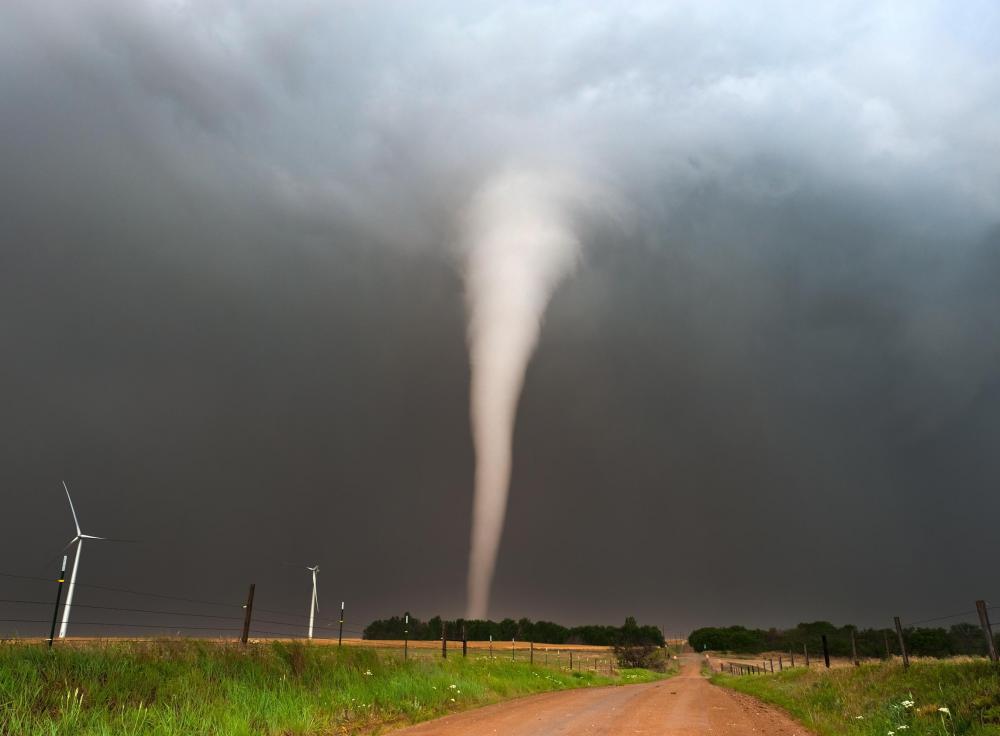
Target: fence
<point>35,618</point>
<point>897,644</point>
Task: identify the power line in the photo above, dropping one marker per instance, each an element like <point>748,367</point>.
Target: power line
<point>127,610</point>
<point>129,591</point>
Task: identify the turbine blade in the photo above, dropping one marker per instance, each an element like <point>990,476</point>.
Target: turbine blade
<point>110,539</point>
<point>56,556</point>
<point>75,520</point>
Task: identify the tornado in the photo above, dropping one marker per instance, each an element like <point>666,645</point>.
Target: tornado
<point>519,244</point>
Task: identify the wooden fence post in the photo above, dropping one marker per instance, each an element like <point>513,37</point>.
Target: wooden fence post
<point>854,648</point>
<point>781,664</point>
<point>984,621</point>
<point>826,652</point>
<point>805,649</point>
<point>248,612</point>
<point>902,643</point>
<point>444,640</point>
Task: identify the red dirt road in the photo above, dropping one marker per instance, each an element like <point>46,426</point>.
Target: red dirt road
<point>684,705</point>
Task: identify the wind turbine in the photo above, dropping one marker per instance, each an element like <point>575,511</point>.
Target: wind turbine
<point>78,541</point>
<point>314,604</point>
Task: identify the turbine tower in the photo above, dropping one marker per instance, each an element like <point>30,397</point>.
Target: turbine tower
<point>314,603</point>
<point>78,541</point>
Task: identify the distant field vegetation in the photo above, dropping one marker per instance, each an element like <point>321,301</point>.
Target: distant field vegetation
<point>540,632</point>
<point>960,639</point>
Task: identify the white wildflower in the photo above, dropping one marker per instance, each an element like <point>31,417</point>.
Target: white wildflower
<point>907,704</point>
<point>859,718</point>
<point>368,673</point>
<point>945,710</point>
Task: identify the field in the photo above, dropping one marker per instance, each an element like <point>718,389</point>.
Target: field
<point>172,687</point>
<point>931,698</point>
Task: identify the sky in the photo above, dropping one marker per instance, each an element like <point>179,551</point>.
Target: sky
<point>233,315</point>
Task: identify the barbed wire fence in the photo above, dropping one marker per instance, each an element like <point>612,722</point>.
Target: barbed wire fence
<point>897,644</point>
<point>34,618</point>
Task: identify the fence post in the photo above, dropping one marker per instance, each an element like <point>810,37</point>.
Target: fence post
<point>826,652</point>
<point>570,660</point>
<point>805,650</point>
<point>531,654</point>
<point>902,643</point>
<point>340,635</point>
<point>491,646</point>
<point>444,640</point>
<point>512,649</point>
<point>55,613</point>
<point>791,657</point>
<point>984,621</point>
<point>772,665</point>
<point>781,664</point>
<point>465,641</point>
<point>248,611</point>
<point>854,648</point>
<point>885,638</point>
<point>406,637</point>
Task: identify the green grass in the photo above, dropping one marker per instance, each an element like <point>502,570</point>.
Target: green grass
<point>198,687</point>
<point>869,700</point>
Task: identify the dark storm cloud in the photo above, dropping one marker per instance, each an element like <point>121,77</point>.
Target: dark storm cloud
<point>233,315</point>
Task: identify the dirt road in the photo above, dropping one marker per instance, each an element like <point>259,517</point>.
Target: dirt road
<point>684,705</point>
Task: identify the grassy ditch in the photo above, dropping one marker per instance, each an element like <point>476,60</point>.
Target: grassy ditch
<point>931,698</point>
<point>173,687</point>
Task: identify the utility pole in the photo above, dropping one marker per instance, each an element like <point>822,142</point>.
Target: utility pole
<point>55,614</point>
<point>247,614</point>
<point>340,636</point>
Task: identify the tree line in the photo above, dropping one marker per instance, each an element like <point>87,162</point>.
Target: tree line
<point>540,632</point>
<point>961,638</point>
